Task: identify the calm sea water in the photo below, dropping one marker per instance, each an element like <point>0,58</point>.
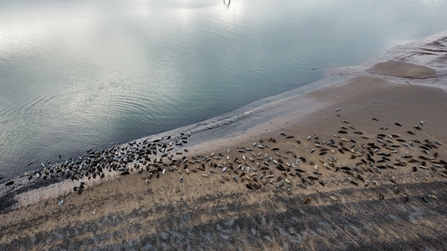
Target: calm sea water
<point>76,75</point>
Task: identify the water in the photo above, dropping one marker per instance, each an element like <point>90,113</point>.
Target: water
<point>76,75</point>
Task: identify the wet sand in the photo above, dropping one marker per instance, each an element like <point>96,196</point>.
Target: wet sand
<point>376,182</point>
<point>402,69</point>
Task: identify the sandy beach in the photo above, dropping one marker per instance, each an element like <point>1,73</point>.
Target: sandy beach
<point>357,161</point>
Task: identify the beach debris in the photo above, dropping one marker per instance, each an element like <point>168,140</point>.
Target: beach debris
<point>424,199</point>
<point>61,203</point>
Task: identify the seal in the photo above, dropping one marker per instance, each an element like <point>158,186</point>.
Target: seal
<point>307,200</point>
<point>405,198</point>
<point>354,182</point>
<point>333,198</point>
<point>9,182</point>
<point>431,196</point>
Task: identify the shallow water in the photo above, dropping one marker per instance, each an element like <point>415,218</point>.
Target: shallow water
<point>77,75</point>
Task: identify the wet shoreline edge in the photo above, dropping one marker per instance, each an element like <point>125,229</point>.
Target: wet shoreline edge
<point>235,122</point>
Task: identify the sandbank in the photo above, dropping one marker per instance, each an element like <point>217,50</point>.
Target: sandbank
<point>342,200</point>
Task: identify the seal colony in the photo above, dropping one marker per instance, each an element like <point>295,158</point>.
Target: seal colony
<point>360,165</point>
<point>361,157</point>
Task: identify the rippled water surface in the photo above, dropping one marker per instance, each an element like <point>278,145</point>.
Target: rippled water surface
<point>76,75</point>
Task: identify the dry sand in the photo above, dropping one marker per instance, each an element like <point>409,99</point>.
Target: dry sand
<point>204,213</point>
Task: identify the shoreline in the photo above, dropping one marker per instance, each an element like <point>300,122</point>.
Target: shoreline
<point>292,128</point>
<point>234,124</point>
